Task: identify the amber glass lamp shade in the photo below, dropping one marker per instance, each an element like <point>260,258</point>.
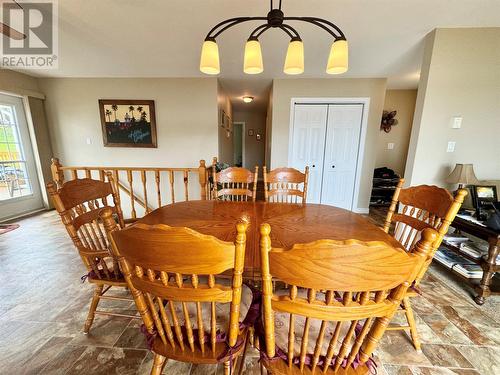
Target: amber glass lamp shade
<point>252,61</point>
<point>209,61</point>
<point>294,61</point>
<point>338,60</point>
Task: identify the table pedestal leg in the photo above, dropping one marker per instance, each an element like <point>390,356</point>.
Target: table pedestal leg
<point>489,267</point>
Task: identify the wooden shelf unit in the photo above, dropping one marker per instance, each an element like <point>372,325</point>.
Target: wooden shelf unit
<point>487,262</point>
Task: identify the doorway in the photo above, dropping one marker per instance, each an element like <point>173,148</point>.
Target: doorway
<point>239,144</point>
<point>328,137</point>
<point>19,185</point>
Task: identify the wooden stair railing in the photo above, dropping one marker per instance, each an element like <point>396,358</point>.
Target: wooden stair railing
<point>140,184</point>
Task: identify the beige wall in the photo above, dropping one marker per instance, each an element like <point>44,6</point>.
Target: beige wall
<point>402,101</point>
<point>254,150</point>
<point>18,83</point>
<point>460,77</point>
<point>286,89</point>
<point>186,120</point>
<point>225,151</point>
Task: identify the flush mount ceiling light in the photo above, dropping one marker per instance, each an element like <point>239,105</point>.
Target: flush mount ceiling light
<point>247,99</point>
<point>294,61</point>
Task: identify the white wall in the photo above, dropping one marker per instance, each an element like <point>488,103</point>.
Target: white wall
<point>402,101</point>
<point>254,149</point>
<point>460,77</point>
<point>286,89</point>
<point>186,120</point>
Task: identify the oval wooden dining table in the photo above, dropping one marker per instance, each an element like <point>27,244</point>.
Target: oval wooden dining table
<point>290,224</point>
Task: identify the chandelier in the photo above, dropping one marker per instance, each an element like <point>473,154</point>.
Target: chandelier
<point>294,61</point>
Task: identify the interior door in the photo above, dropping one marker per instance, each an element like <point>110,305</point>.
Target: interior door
<point>19,187</point>
<point>308,145</point>
<point>341,154</point>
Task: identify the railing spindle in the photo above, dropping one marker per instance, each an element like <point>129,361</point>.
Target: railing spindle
<point>172,191</point>
<point>186,179</point>
<point>143,178</point>
<point>131,191</point>
<point>158,191</point>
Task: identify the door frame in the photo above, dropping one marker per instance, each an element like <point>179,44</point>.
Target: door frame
<point>243,125</point>
<point>365,101</point>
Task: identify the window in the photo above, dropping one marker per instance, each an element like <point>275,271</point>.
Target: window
<point>14,179</point>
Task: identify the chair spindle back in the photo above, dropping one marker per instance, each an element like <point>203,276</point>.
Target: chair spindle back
<point>167,268</point>
<point>285,185</point>
<point>236,184</point>
<point>361,284</point>
<point>422,207</point>
<point>79,203</point>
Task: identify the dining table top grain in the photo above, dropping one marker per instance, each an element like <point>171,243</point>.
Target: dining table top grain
<point>290,224</point>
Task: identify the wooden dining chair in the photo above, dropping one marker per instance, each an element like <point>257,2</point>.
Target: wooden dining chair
<point>411,211</point>
<point>361,284</point>
<point>171,273</point>
<point>235,184</point>
<point>79,203</point>
<point>285,185</point>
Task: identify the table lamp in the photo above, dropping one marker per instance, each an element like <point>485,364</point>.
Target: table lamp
<point>463,174</point>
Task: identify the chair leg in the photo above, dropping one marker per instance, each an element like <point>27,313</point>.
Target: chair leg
<point>159,363</point>
<point>411,322</point>
<point>93,307</point>
<point>227,368</point>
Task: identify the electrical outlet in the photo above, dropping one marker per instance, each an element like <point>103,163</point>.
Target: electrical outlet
<point>390,146</point>
<point>451,146</point>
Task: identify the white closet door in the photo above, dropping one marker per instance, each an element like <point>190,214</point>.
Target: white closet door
<point>341,154</point>
<point>309,129</point>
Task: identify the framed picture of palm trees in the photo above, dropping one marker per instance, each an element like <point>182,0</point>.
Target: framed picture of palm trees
<point>128,123</point>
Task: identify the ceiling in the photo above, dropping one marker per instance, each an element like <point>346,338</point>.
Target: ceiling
<point>158,38</point>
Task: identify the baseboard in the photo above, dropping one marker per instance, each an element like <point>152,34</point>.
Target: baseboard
<point>361,210</point>
<point>24,215</point>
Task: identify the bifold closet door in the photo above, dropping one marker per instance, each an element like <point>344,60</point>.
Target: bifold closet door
<point>341,154</point>
<point>308,146</point>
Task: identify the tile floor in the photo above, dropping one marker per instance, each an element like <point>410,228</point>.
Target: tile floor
<point>43,306</point>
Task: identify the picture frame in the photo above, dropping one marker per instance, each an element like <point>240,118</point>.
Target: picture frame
<point>128,123</point>
<point>482,194</point>
<point>250,132</point>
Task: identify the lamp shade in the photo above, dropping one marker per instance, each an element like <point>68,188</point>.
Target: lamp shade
<point>253,57</point>
<point>209,61</point>
<point>294,61</point>
<point>338,60</point>
<point>463,174</point>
